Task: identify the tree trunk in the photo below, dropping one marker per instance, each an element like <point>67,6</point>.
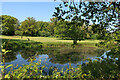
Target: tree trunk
<point>74,41</point>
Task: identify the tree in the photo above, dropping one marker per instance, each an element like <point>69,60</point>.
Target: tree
<point>75,23</point>
<point>28,27</point>
<point>74,18</point>
<point>98,31</point>
<point>103,13</point>
<point>52,25</point>
<point>9,24</point>
<point>42,28</point>
<point>31,27</point>
<point>42,25</point>
<point>61,29</point>
<point>106,14</point>
<point>67,30</point>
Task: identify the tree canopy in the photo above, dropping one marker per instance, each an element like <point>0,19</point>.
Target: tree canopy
<point>103,13</point>
<point>9,24</point>
<point>28,27</point>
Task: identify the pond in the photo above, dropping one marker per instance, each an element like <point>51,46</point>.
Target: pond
<point>56,57</point>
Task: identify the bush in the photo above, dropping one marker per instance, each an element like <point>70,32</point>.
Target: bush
<point>95,36</point>
<point>43,33</point>
<point>100,68</point>
<point>17,32</point>
<point>21,45</point>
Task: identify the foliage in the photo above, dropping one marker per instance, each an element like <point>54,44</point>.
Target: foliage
<point>68,30</point>
<point>112,43</point>
<point>36,71</point>
<point>95,36</point>
<point>28,49</point>
<point>106,13</point>
<point>103,13</point>
<point>98,32</point>
<point>42,25</point>
<point>61,29</point>
<point>18,32</point>
<point>2,65</point>
<point>44,33</point>
<point>9,25</point>
<point>31,27</point>
<point>42,29</point>
<point>52,25</point>
<point>101,68</point>
<point>28,27</point>
<point>21,44</point>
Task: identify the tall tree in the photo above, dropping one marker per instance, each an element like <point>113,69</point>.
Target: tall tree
<point>61,29</point>
<point>70,13</point>
<point>67,30</point>
<point>103,13</point>
<point>52,25</point>
<point>42,28</point>
<point>98,31</point>
<point>42,25</point>
<point>9,24</point>
<point>28,27</point>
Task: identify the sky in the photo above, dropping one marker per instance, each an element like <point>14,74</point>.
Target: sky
<point>41,11</point>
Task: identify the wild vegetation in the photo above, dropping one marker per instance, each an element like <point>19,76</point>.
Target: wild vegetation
<point>60,29</point>
<point>69,24</point>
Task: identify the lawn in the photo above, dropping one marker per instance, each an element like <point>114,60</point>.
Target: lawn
<point>47,39</point>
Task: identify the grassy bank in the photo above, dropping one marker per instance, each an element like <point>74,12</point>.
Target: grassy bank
<point>49,41</point>
<point>46,39</point>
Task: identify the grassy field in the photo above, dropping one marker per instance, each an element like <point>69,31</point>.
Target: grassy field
<point>46,39</point>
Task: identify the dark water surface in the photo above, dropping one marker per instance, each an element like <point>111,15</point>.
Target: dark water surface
<point>56,57</point>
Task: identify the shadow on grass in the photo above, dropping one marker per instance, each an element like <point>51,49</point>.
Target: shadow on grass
<point>20,44</point>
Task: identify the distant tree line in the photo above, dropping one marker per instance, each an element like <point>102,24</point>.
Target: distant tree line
<point>62,29</point>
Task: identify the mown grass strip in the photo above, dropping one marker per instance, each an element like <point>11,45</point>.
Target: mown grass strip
<point>47,39</point>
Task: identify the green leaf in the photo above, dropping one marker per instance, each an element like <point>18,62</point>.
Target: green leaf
<point>7,76</point>
<point>9,65</point>
<point>3,50</point>
<point>1,66</point>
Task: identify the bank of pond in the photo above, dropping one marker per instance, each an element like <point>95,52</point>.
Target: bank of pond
<point>36,60</point>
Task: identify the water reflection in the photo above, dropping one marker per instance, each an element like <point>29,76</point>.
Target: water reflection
<point>73,55</point>
<point>56,57</point>
<point>59,56</point>
<point>10,56</point>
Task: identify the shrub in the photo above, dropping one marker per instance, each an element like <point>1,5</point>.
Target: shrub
<point>44,33</point>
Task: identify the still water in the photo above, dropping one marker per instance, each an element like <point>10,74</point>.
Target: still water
<point>56,57</point>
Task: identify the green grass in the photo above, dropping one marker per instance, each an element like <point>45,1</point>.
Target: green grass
<point>52,41</point>
<point>47,39</point>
